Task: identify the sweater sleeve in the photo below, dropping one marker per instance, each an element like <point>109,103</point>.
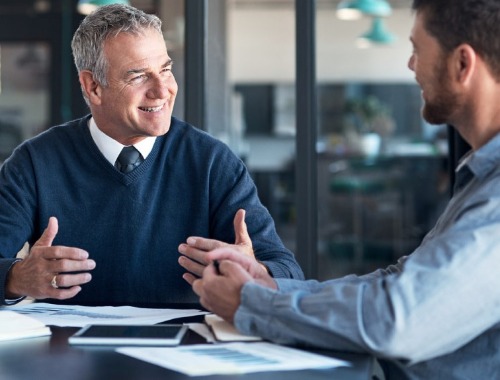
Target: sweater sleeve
<point>16,210</point>
<point>233,188</point>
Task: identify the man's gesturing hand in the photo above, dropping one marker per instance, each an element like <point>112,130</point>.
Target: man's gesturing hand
<point>194,252</point>
<point>49,271</point>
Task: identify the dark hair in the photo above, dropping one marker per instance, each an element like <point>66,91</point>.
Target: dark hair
<point>474,22</point>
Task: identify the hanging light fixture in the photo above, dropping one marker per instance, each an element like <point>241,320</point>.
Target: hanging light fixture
<point>88,6</point>
<point>355,9</point>
<point>378,34</point>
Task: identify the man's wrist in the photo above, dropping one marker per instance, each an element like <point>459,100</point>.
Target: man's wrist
<point>9,295</point>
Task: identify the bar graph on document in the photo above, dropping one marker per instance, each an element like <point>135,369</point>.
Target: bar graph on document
<point>231,358</point>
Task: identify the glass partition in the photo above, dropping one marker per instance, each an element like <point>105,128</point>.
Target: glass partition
<point>24,93</point>
<point>382,171</point>
<point>261,124</point>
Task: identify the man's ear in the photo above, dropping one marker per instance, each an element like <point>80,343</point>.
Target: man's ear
<point>90,87</point>
<point>464,63</point>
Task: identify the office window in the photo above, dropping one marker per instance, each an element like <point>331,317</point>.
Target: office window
<point>382,171</point>
<point>24,92</point>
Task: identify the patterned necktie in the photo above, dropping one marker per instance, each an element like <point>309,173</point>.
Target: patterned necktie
<point>128,159</point>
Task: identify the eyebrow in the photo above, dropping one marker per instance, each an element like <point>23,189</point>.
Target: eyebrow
<point>141,70</point>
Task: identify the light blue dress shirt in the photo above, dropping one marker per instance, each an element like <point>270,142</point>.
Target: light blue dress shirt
<point>434,314</point>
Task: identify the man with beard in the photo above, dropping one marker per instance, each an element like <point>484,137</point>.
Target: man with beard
<point>435,313</point>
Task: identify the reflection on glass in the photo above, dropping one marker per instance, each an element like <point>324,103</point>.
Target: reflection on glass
<point>24,99</point>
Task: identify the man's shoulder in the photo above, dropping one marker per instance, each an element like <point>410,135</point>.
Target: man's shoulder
<point>69,130</point>
<point>58,138</point>
<point>186,133</point>
<point>185,140</point>
<point>53,143</point>
<point>184,128</point>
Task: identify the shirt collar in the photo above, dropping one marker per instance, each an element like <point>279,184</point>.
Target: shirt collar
<point>486,159</point>
<point>111,148</point>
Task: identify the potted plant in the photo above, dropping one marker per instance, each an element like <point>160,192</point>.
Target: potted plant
<point>370,120</point>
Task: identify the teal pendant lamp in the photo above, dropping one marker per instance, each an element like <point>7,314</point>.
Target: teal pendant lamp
<point>355,9</point>
<point>88,6</point>
<point>378,34</point>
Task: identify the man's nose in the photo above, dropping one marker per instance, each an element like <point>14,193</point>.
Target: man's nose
<point>159,88</point>
<point>411,63</point>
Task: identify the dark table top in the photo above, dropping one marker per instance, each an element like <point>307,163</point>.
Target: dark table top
<point>52,358</point>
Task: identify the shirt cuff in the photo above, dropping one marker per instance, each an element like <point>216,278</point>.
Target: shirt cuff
<point>16,300</point>
<point>254,299</point>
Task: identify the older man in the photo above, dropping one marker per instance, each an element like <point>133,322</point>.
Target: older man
<point>120,190</point>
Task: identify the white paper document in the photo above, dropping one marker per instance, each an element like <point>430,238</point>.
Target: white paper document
<point>17,326</point>
<point>231,358</point>
<point>79,316</point>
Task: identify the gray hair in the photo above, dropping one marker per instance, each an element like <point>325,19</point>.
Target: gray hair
<point>107,21</point>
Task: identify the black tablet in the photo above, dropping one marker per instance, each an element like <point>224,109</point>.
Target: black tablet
<point>130,335</point>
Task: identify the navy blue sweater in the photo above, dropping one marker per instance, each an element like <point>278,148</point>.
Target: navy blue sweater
<point>131,224</point>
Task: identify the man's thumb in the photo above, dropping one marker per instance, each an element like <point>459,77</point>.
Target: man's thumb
<point>240,229</point>
<point>49,234</point>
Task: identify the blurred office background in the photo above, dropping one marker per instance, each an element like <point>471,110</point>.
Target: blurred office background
<point>329,125</point>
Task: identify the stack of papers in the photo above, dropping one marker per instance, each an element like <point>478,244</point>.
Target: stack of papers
<point>18,326</point>
<point>79,316</point>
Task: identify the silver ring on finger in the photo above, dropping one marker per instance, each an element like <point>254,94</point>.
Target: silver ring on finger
<point>53,282</point>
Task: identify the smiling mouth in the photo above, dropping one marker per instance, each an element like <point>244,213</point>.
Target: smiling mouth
<point>152,109</point>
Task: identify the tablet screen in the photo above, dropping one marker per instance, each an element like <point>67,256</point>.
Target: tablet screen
<point>156,335</point>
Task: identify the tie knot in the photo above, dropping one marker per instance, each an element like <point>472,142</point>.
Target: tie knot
<point>128,159</point>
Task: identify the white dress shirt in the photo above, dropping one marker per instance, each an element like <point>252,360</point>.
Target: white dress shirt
<point>111,148</point>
